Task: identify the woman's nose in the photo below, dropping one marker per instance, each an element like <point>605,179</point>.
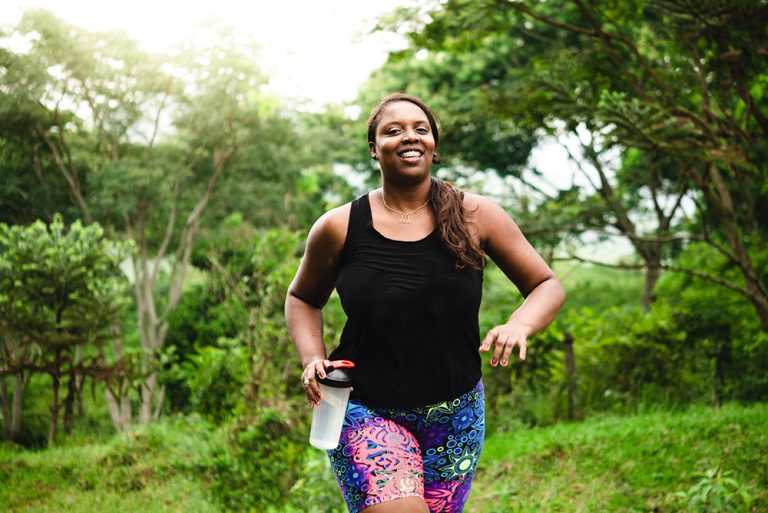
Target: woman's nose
<point>411,135</point>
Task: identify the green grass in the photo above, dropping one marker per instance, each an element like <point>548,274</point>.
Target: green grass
<point>150,470</point>
<point>631,464</point>
<point>605,464</point>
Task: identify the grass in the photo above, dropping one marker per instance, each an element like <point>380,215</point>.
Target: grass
<point>631,464</point>
<point>605,464</point>
<point>150,470</point>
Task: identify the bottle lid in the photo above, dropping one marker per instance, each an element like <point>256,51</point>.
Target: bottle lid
<point>336,376</point>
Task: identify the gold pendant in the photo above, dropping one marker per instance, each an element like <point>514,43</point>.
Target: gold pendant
<point>405,218</point>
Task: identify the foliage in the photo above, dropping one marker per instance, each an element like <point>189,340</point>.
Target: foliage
<point>534,392</point>
<point>316,491</point>
<point>228,339</point>
<point>717,491</point>
<point>215,376</point>
<point>61,293</point>
<point>264,454</point>
<point>718,324</point>
<point>60,286</point>
<point>663,102</point>
<point>630,360</point>
<point>144,144</point>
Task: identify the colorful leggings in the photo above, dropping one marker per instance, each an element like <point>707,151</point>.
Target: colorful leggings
<point>430,452</point>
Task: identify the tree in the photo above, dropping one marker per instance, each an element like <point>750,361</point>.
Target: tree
<point>679,83</point>
<point>142,143</point>
<point>60,292</point>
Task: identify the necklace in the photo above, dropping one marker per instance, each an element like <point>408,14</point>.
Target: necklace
<point>405,217</point>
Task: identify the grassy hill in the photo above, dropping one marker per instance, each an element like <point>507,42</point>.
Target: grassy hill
<point>644,463</point>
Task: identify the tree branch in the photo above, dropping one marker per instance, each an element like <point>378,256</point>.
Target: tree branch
<point>156,127</point>
<point>169,227</point>
<point>69,175</point>
<point>176,280</point>
<point>607,37</point>
<point>719,280</point>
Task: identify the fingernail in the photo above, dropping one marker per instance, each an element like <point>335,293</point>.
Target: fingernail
<point>493,362</point>
<point>504,362</point>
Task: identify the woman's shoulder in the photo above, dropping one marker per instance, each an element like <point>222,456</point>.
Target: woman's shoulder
<point>487,216</point>
<point>477,205</point>
<point>332,226</point>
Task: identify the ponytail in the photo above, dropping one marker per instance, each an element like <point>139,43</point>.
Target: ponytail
<point>447,203</point>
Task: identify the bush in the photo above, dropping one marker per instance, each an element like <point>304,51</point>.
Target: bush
<point>717,491</point>
<point>262,463</point>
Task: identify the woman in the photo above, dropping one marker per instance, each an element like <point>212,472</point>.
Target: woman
<point>407,262</point>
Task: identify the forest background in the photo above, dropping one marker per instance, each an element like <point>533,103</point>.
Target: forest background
<point>154,207</point>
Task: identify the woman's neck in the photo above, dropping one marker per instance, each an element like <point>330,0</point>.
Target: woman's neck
<point>405,198</point>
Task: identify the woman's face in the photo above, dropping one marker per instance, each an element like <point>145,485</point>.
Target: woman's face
<point>404,143</point>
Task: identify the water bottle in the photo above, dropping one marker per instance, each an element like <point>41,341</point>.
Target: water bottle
<point>328,416</point>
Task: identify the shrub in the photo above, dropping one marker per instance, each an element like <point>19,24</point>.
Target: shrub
<point>262,463</point>
<point>717,491</point>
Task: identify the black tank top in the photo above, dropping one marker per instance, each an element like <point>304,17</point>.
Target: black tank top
<point>412,317</point>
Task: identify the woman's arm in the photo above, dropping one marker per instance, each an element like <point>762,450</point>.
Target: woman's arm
<point>310,290</point>
<point>506,245</point>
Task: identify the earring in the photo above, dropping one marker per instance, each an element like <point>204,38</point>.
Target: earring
<point>374,157</point>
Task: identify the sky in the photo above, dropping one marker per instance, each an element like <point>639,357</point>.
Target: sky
<point>317,51</point>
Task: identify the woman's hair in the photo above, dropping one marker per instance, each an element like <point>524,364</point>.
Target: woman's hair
<point>447,201</point>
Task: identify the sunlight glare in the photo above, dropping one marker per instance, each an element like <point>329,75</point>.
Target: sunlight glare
<point>315,52</point>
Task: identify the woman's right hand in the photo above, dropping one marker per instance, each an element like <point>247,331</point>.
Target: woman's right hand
<point>313,370</point>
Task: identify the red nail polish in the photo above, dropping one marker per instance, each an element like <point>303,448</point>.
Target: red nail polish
<point>493,362</point>
<point>504,362</point>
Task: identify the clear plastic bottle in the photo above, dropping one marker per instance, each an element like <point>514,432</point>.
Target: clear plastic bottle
<point>328,415</point>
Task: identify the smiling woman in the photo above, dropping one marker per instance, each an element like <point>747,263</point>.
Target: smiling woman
<point>407,261</point>
<point>403,143</point>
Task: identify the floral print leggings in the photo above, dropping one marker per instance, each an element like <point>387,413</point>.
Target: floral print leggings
<point>430,452</point>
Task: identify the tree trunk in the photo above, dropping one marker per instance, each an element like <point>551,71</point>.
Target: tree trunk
<point>79,385</point>
<point>120,409</point>
<point>69,402</point>
<point>11,410</point>
<point>652,275</point>
<point>570,375</point>
<point>148,390</point>
<point>5,410</point>
<point>719,196</point>
<point>722,363</point>
<point>16,412</point>
<point>54,407</point>
<point>79,398</point>
<point>154,327</point>
<point>119,405</point>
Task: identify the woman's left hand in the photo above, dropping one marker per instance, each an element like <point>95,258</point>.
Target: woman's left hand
<point>503,338</point>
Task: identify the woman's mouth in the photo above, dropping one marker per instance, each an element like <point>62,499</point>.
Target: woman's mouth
<point>411,154</point>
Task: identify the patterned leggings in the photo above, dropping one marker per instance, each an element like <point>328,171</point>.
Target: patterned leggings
<point>430,452</point>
